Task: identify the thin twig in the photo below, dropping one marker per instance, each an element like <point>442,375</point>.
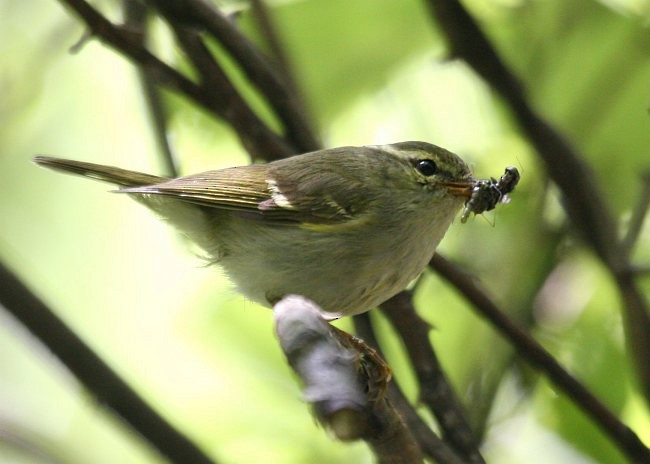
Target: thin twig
<point>258,138</point>
<point>540,265</point>
<point>135,17</point>
<point>100,380</point>
<point>435,390</point>
<point>640,271</point>
<point>431,445</point>
<point>128,43</point>
<point>159,120</point>
<point>584,200</point>
<point>620,434</point>
<point>639,214</point>
<point>262,16</point>
<point>200,13</point>
<point>228,102</point>
<point>29,444</point>
<point>285,69</point>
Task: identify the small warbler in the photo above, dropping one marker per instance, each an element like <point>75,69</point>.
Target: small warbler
<point>346,227</point>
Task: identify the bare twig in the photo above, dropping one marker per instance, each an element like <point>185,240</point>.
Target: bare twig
<point>129,44</point>
<point>100,380</point>
<point>541,262</point>
<point>29,444</point>
<point>639,214</point>
<point>626,440</point>
<point>159,120</point>
<point>584,200</point>
<point>258,138</point>
<point>431,445</point>
<point>335,386</point>
<point>267,28</point>
<point>223,96</point>
<point>135,17</point>
<point>435,391</point>
<point>640,271</point>
<point>200,13</point>
<point>285,70</point>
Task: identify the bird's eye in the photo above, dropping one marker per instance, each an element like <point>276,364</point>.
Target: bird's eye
<point>426,167</point>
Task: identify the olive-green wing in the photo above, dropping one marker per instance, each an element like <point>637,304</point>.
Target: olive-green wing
<point>289,191</point>
<point>239,188</point>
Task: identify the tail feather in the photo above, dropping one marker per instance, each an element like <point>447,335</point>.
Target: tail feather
<point>121,177</point>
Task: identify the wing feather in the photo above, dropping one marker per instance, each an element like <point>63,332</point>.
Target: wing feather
<point>288,191</point>
<point>232,188</point>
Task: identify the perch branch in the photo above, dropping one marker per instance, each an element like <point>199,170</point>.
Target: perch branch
<point>336,385</point>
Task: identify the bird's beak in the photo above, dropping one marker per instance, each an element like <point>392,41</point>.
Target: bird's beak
<point>461,188</point>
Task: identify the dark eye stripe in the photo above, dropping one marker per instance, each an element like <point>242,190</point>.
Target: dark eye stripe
<point>426,167</point>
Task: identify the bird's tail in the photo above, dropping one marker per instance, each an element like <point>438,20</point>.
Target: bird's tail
<point>121,177</point>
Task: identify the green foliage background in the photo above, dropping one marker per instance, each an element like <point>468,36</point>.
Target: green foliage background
<point>372,71</point>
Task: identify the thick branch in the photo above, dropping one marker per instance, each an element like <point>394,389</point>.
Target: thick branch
<point>627,441</point>
<point>336,388</point>
<point>104,384</point>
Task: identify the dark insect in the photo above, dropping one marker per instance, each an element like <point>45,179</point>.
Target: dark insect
<point>487,193</point>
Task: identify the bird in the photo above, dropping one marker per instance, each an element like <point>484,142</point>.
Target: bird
<point>347,227</point>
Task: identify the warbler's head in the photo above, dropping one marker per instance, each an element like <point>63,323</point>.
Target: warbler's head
<point>433,168</point>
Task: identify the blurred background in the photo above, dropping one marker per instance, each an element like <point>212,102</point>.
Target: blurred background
<point>371,71</point>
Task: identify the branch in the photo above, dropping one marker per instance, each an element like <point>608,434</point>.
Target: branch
<point>566,167</point>
<point>429,442</point>
<point>621,435</point>
<point>286,75</point>
<point>435,391</point>
<point>640,271</point>
<point>100,380</point>
<point>129,44</point>
<point>135,17</point>
<point>339,391</point>
<point>639,214</point>
<point>584,201</point>
<point>200,13</point>
<point>31,445</point>
<point>259,139</point>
